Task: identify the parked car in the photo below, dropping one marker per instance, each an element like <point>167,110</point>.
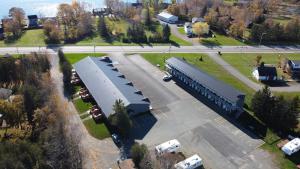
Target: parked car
<point>167,77</point>
<point>75,81</point>
<point>116,138</point>
<point>86,96</point>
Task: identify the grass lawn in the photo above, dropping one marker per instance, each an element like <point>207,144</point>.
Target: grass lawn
<point>29,38</point>
<point>208,66</point>
<point>221,40</point>
<point>245,62</point>
<point>75,57</point>
<point>97,130</point>
<point>181,30</point>
<point>82,106</point>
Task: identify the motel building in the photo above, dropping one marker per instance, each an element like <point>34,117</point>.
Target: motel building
<point>219,93</point>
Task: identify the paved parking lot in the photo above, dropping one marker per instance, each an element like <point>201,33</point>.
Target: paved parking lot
<point>177,114</point>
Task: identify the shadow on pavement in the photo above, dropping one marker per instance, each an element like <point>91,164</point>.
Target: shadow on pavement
<point>248,129</point>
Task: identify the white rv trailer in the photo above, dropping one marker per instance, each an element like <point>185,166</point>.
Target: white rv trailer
<point>291,147</point>
<point>167,147</point>
<point>190,163</point>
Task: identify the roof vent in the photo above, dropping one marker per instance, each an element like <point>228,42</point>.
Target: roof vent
<point>122,76</point>
<point>138,92</point>
<point>110,64</point>
<point>114,69</point>
<point>106,59</point>
<point>146,99</point>
<point>129,83</point>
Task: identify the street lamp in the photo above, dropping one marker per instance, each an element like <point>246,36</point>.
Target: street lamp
<point>261,37</point>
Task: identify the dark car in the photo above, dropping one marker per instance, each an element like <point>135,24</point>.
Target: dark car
<point>116,138</point>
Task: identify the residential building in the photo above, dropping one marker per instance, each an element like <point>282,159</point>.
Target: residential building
<point>219,93</point>
<point>188,28</point>
<point>1,33</point>
<point>33,21</point>
<point>166,17</point>
<point>196,19</point>
<point>294,67</point>
<point>106,85</point>
<point>265,73</point>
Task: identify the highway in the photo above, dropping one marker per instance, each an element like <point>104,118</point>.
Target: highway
<point>156,49</point>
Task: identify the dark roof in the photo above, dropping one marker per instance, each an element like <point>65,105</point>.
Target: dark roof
<point>106,84</point>
<point>1,30</point>
<point>32,17</point>
<point>296,62</point>
<point>267,71</point>
<point>216,86</point>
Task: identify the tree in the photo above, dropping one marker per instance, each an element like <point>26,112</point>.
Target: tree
<point>120,118</point>
<point>18,15</point>
<point>166,33</point>
<point>102,28</point>
<point>237,29</point>
<point>148,21</point>
<point>200,28</point>
<point>52,32</point>
<point>257,60</point>
<point>138,152</point>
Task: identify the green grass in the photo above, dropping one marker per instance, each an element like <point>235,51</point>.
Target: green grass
<point>82,106</point>
<point>181,30</point>
<point>221,40</point>
<point>29,38</point>
<point>97,130</point>
<point>208,66</point>
<point>75,57</point>
<point>245,62</point>
<point>179,41</point>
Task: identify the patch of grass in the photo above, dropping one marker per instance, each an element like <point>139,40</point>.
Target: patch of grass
<point>75,57</point>
<point>29,38</point>
<point>207,65</point>
<point>219,40</point>
<point>178,41</point>
<point>97,130</point>
<point>245,62</point>
<point>82,106</point>
<point>181,30</point>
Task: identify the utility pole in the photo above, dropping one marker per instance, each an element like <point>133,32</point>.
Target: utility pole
<point>261,37</point>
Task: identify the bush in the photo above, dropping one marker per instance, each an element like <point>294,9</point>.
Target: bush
<point>138,152</point>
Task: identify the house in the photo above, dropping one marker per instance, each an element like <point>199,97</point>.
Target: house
<point>137,4</point>
<point>291,147</point>
<point>106,85</point>
<point>204,85</point>
<point>190,163</point>
<point>265,73</point>
<point>32,21</point>
<point>188,28</point>
<point>196,19</point>
<point>1,33</point>
<point>294,67</point>
<point>166,17</point>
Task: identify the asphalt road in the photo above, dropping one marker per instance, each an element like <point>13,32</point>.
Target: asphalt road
<point>221,142</point>
<point>156,49</point>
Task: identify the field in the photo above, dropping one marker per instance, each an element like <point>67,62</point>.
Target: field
<point>206,65</point>
<point>97,130</point>
<point>29,38</point>
<point>246,62</point>
<point>219,40</point>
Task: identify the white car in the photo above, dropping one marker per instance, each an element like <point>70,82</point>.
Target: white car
<point>167,77</point>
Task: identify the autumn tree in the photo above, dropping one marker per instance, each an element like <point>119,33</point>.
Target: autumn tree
<point>201,28</point>
<point>52,32</point>
<point>237,29</point>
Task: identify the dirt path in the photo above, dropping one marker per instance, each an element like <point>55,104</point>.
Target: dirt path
<point>96,154</point>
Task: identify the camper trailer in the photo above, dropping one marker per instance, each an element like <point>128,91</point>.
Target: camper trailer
<point>167,147</point>
<point>291,147</point>
<point>190,163</point>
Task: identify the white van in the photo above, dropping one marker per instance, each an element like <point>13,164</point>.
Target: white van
<point>190,163</point>
<point>167,147</point>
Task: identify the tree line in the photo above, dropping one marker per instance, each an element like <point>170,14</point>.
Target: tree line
<point>34,135</point>
<point>13,25</point>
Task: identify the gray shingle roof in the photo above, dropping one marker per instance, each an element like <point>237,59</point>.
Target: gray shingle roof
<point>267,71</point>
<point>106,84</point>
<point>218,87</point>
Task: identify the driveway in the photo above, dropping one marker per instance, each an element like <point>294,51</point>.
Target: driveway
<point>174,31</point>
<point>96,154</point>
<point>221,142</point>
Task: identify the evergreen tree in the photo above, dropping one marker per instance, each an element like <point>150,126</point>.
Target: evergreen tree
<point>102,28</point>
<point>166,33</point>
<point>148,21</point>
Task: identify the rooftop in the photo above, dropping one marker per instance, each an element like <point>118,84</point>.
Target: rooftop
<point>187,163</point>
<point>106,84</point>
<point>216,86</point>
<point>267,71</point>
<point>296,62</point>
<point>165,15</point>
<point>32,17</point>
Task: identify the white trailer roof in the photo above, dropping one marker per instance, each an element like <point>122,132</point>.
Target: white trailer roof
<point>190,163</point>
<point>165,15</point>
<point>166,145</point>
<point>292,146</point>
